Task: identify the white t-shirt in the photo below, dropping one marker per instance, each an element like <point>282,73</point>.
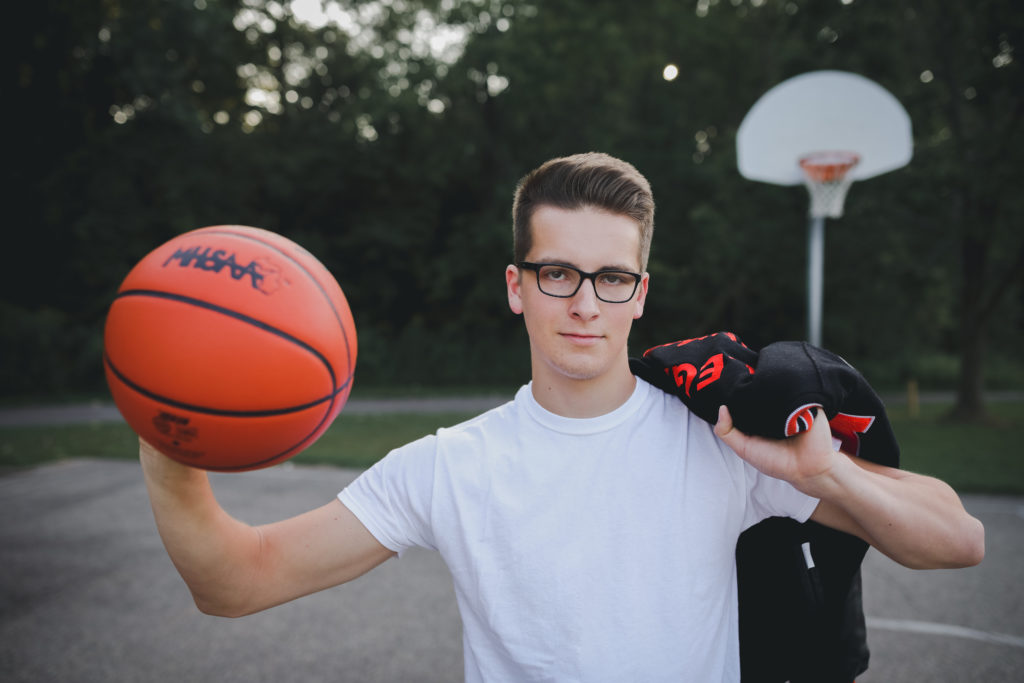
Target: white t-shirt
<point>581,549</point>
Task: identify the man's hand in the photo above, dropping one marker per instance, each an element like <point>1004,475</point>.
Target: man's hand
<point>164,471</point>
<point>801,460</point>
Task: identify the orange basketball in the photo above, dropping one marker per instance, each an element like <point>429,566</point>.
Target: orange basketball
<point>229,348</point>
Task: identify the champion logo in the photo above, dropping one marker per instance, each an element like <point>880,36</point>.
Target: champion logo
<point>847,429</point>
<point>801,419</point>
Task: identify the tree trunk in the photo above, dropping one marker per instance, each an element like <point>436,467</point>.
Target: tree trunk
<point>970,404</point>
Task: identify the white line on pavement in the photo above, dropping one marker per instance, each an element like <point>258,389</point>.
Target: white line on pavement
<point>931,628</point>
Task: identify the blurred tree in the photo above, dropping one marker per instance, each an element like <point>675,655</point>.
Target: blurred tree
<point>89,192</point>
<point>973,143</point>
<point>953,67</point>
<point>387,137</point>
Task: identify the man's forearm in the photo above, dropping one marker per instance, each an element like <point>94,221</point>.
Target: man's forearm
<point>207,546</point>
<point>916,520</point>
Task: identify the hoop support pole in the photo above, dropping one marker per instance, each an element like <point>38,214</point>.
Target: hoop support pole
<point>815,277</point>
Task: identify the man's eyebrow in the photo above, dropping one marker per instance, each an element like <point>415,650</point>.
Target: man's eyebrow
<point>564,262</point>
<point>624,268</point>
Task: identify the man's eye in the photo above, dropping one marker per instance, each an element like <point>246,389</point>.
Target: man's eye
<point>613,279</point>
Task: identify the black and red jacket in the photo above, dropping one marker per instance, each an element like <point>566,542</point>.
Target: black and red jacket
<point>801,614</point>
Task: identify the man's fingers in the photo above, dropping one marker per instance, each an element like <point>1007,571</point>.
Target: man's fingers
<point>724,424</point>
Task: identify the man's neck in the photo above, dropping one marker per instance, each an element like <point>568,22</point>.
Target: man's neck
<point>579,398</point>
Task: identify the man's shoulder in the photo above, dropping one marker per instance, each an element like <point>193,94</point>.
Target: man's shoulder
<point>494,420</point>
<point>663,405</point>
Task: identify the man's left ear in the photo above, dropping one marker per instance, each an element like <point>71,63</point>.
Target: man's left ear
<point>513,285</point>
<point>641,297</point>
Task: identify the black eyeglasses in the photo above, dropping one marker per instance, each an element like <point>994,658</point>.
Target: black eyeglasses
<point>562,281</point>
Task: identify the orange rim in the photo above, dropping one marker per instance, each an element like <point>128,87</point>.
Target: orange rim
<point>828,167</point>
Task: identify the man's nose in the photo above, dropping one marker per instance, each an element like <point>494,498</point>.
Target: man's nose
<point>585,303</point>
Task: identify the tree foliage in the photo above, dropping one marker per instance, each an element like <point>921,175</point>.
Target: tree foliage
<point>386,136</point>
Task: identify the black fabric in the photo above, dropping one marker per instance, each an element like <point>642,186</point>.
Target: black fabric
<point>798,623</point>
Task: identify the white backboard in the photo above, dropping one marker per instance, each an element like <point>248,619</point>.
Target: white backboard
<point>823,111</point>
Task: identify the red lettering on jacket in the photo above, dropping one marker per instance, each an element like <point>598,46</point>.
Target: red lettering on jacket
<point>684,342</point>
<point>711,371</point>
<point>683,374</point>
<point>848,428</point>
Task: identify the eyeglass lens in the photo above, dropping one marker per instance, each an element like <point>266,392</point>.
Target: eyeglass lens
<point>610,285</point>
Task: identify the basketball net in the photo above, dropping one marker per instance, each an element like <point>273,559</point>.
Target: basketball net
<point>827,180</point>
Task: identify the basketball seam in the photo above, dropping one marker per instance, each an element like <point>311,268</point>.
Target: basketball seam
<point>242,414</point>
<point>181,298</point>
<point>255,238</point>
<point>222,412</point>
<point>350,369</point>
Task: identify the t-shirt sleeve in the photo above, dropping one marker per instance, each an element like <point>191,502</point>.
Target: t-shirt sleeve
<point>770,497</point>
<point>393,498</point>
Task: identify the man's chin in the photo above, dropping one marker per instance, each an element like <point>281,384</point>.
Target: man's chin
<point>580,370</point>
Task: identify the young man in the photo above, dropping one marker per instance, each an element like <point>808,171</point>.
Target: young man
<point>590,524</point>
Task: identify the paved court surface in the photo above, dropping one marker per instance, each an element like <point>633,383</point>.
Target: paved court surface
<point>88,594</point>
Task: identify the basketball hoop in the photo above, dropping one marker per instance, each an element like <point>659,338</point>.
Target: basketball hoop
<point>825,111</point>
<point>827,179</point>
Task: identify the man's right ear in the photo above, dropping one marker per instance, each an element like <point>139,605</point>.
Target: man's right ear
<point>513,285</point>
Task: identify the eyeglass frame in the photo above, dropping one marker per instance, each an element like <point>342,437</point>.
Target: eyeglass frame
<point>584,275</point>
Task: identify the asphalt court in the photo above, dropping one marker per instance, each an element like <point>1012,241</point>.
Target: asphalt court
<point>87,593</point>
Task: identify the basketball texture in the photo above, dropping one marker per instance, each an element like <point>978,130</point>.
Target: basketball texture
<point>229,348</point>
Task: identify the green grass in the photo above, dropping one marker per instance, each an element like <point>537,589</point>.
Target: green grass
<point>352,441</point>
<point>361,440</point>
<point>972,458</point>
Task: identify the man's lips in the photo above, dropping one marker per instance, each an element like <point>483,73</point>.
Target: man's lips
<point>581,337</point>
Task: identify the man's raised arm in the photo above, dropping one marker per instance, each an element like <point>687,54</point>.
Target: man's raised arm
<point>232,568</point>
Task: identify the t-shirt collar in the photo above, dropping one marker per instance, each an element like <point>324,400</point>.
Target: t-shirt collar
<point>589,425</point>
